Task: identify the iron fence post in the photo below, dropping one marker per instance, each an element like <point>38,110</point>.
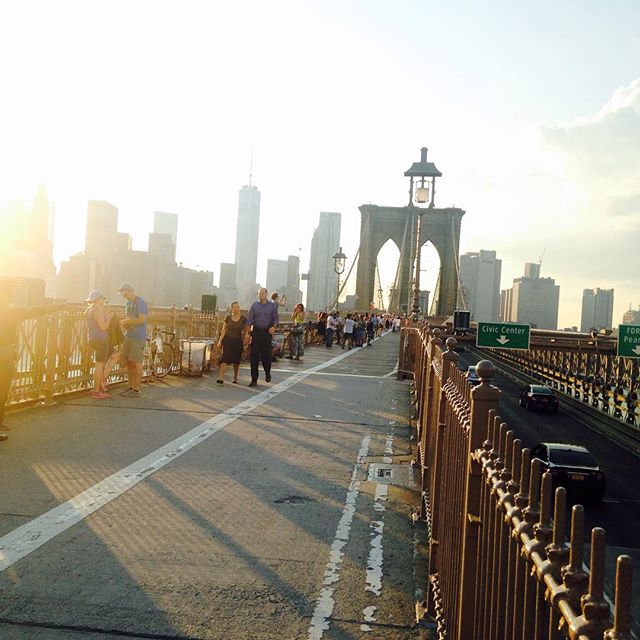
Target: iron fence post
<point>483,398</point>
<point>51,351</point>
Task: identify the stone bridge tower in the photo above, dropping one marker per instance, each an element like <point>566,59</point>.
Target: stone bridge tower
<point>441,227</point>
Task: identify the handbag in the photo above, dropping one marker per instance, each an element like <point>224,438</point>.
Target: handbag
<point>116,336</point>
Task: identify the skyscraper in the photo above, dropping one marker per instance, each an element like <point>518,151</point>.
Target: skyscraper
<point>277,276</point>
<point>631,316</point>
<point>247,232</point>
<point>597,310</point>
<point>532,300</point>
<point>165,223</point>
<point>27,240</point>
<point>321,292</point>
<point>102,239</point>
<point>480,284</point>
<point>294,295</point>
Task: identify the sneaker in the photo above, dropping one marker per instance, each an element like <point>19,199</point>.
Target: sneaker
<point>130,393</point>
<point>98,395</point>
<point>289,357</point>
<point>267,377</point>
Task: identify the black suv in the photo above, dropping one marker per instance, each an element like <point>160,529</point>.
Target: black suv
<point>573,467</point>
<point>537,396</point>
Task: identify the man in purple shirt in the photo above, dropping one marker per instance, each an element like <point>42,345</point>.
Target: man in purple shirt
<point>263,320</point>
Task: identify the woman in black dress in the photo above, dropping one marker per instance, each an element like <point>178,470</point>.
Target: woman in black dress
<point>232,342</point>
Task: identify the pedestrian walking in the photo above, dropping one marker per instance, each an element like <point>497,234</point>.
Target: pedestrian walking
<point>331,327</point>
<point>296,335</point>
<point>347,336</point>
<point>263,320</point>
<point>231,341</point>
<point>369,328</point>
<point>135,338</point>
<point>97,319</point>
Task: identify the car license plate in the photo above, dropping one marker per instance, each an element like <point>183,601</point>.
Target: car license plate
<point>576,476</point>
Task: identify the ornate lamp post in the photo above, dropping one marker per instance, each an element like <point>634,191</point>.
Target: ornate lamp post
<point>339,261</point>
<point>420,192</point>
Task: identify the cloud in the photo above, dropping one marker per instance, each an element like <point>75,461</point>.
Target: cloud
<point>601,154</point>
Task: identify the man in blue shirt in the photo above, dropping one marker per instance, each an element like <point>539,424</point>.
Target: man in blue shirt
<point>263,320</point>
<point>135,337</point>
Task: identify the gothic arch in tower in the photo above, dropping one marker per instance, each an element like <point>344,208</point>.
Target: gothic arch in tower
<point>441,227</point>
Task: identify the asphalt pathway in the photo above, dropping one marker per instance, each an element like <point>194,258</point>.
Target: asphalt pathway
<point>204,511</point>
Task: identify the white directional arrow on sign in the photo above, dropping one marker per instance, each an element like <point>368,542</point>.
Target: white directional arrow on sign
<point>636,350</point>
<point>502,340</point>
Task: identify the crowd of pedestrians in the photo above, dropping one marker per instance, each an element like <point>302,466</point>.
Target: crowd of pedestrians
<point>354,329</point>
<point>123,339</point>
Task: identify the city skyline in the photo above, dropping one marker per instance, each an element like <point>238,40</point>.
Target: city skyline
<point>544,159</point>
<point>99,238</point>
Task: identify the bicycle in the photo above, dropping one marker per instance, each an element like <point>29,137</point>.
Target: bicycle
<point>159,355</point>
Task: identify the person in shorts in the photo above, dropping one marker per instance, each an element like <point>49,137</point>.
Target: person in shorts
<point>135,337</point>
<point>97,318</point>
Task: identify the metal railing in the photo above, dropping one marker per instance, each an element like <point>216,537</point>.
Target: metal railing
<point>54,357</point>
<point>500,567</point>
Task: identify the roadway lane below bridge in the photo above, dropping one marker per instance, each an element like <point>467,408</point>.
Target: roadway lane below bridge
<point>205,511</point>
<point>619,512</point>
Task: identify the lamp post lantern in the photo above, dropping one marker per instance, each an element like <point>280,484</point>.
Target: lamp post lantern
<point>420,192</point>
<point>339,262</point>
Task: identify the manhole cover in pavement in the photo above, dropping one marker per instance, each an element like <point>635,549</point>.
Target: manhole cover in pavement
<point>398,474</point>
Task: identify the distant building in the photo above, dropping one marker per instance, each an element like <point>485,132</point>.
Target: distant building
<point>102,239</point>
<point>166,223</point>
<point>597,310</point>
<point>321,290</point>
<point>531,300</point>
<point>27,238</point>
<point>283,277</point>
<point>294,295</point>
<point>108,261</point>
<point>480,283</point>
<point>276,276</point>
<point>247,232</point>
<point>227,292</point>
<point>631,316</point>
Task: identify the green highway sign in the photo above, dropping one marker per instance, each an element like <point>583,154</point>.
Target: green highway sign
<point>503,335</point>
<point>629,341</point>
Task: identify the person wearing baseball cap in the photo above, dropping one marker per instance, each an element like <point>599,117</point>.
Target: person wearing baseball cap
<point>135,337</point>
<point>97,318</point>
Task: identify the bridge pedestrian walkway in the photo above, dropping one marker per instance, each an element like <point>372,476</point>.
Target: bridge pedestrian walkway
<point>207,511</point>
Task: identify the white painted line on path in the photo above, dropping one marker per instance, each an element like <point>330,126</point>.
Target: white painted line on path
<point>30,536</point>
<point>376,551</point>
<point>394,371</point>
<point>321,618</point>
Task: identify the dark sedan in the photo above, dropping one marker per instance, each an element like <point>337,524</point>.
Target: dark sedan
<point>573,467</point>
<point>537,396</point>
<point>472,376</point>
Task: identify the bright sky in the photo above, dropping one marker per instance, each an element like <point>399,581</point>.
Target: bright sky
<point>532,114</point>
